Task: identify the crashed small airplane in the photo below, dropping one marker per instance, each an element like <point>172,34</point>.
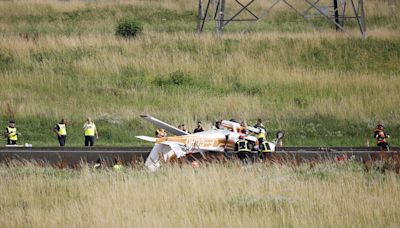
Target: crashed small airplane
<point>183,143</point>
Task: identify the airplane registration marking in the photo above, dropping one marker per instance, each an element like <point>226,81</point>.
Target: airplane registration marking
<point>199,142</point>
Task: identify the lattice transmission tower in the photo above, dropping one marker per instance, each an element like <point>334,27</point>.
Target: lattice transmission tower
<point>337,12</point>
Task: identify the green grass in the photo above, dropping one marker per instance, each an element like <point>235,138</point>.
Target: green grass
<point>80,21</point>
<point>316,130</point>
<point>320,88</point>
<point>112,131</point>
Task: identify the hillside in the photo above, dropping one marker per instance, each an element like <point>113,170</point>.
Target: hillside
<point>62,59</point>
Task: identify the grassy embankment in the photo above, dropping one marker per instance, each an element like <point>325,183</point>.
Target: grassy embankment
<point>321,88</point>
<point>327,195</point>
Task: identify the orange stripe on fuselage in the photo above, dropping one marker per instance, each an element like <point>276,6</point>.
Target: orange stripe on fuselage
<point>199,142</point>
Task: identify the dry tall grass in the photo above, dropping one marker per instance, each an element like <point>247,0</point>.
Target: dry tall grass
<point>95,75</point>
<point>328,195</point>
<point>373,7</point>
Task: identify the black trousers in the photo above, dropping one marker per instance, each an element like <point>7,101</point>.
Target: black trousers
<point>384,146</point>
<point>11,142</point>
<point>89,140</point>
<point>266,155</point>
<point>243,156</point>
<point>62,139</point>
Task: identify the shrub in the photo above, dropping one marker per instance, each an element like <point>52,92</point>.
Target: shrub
<point>177,78</point>
<point>6,61</point>
<point>128,28</point>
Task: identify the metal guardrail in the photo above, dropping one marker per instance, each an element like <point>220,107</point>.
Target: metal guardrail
<point>147,149</point>
<point>71,156</point>
<point>333,149</point>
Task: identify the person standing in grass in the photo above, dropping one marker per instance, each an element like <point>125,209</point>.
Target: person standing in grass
<point>199,127</point>
<point>11,133</point>
<point>61,130</point>
<point>100,164</point>
<point>90,131</point>
<point>182,128</point>
<point>381,137</point>
<point>242,148</point>
<point>259,123</point>
<point>118,165</point>
<point>217,126</point>
<point>160,133</point>
<point>261,135</point>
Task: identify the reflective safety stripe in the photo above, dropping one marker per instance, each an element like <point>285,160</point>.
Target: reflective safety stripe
<point>90,129</point>
<point>12,133</point>
<point>266,147</point>
<point>243,146</point>
<point>62,129</point>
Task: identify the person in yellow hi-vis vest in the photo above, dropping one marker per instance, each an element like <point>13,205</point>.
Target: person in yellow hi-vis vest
<point>90,132</point>
<point>118,165</point>
<point>11,133</point>
<point>61,130</point>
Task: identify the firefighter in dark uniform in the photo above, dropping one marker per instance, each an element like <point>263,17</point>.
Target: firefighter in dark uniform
<point>242,148</point>
<point>381,137</point>
<point>11,133</point>
<point>266,152</point>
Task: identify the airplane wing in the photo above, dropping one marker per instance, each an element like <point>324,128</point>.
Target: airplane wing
<point>153,160</point>
<point>147,138</point>
<point>176,147</point>
<point>164,125</point>
<point>166,150</point>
